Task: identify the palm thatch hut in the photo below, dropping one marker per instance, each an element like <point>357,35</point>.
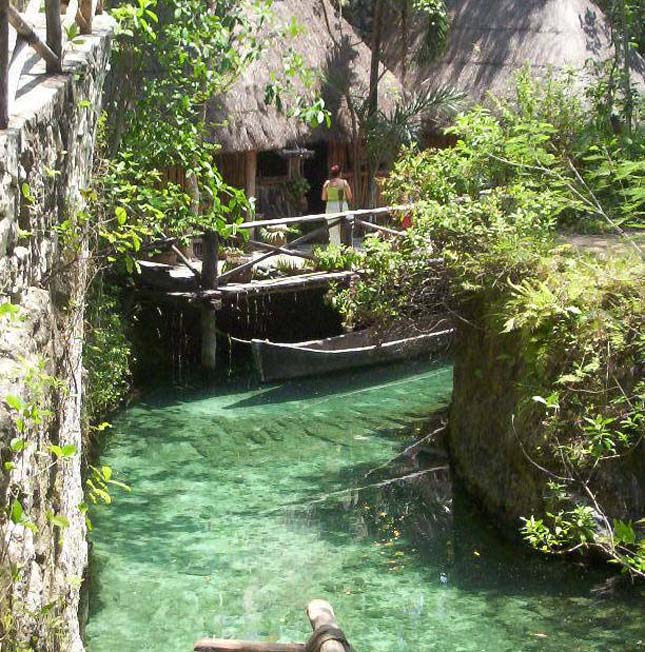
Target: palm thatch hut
<point>489,41</point>
<point>269,152</point>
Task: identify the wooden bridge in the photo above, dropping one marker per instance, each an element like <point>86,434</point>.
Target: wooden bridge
<point>208,284</point>
<point>326,637</point>
<point>203,280</point>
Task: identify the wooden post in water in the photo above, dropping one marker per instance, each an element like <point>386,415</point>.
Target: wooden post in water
<point>4,63</point>
<point>209,314</point>
<point>321,613</point>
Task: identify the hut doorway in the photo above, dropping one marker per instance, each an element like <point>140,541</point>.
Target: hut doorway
<point>315,171</point>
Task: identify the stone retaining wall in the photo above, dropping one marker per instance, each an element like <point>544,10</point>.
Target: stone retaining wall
<point>45,163</point>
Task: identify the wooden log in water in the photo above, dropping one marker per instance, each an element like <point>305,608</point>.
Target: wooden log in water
<point>233,645</point>
<point>320,613</point>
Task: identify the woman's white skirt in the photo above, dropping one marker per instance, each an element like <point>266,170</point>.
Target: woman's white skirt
<point>334,231</point>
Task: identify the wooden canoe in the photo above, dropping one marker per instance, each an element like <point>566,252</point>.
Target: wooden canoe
<point>277,361</point>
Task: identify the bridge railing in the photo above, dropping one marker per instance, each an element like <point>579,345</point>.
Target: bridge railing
<point>17,33</point>
<point>350,218</point>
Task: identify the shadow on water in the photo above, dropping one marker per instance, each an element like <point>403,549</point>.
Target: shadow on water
<point>242,381</point>
<point>432,519</point>
<point>334,384</point>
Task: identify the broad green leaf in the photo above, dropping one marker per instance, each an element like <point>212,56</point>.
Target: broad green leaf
<point>68,451</point>
<point>14,402</point>
<point>17,512</point>
<point>58,520</point>
<point>18,445</point>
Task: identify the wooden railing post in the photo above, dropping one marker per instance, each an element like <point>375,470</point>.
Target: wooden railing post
<point>210,257</point>
<point>4,63</point>
<point>54,34</point>
<point>87,10</point>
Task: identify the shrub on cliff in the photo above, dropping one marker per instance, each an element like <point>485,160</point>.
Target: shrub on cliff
<point>106,352</point>
<point>494,207</point>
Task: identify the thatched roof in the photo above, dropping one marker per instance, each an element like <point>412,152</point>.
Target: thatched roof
<point>489,41</point>
<point>241,117</point>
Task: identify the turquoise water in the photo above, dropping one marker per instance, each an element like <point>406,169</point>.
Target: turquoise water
<point>244,506</point>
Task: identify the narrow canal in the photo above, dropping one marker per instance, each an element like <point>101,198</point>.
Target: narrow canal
<point>241,511</point>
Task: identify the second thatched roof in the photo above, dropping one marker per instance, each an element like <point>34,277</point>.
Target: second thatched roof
<point>489,41</point>
<point>330,47</point>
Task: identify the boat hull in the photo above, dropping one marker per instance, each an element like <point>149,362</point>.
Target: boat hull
<point>276,361</point>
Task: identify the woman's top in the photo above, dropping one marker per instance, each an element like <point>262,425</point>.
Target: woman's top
<point>335,193</point>
<point>336,196</point>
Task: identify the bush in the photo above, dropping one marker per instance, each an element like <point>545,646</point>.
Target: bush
<point>106,354</point>
<point>493,207</point>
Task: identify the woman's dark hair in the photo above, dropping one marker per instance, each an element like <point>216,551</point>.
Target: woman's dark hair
<point>335,171</point>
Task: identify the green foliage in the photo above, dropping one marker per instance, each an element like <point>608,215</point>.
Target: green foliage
<point>387,131</point>
<point>30,417</point>
<point>294,90</point>
<point>276,234</point>
<point>436,16</point>
<point>99,483</point>
<point>396,279</point>
<point>336,258</point>
<point>106,352</point>
<point>493,207</point>
<point>170,59</point>
<point>547,142</point>
<point>298,187</point>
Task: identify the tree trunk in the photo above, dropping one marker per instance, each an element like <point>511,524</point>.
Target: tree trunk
<point>4,63</point>
<point>372,99</point>
<point>405,41</point>
<point>377,36</point>
<point>627,82</point>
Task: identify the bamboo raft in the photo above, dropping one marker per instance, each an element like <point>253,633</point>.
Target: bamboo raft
<point>326,636</point>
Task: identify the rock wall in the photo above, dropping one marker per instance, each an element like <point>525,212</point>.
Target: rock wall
<point>45,163</point>
<point>483,436</point>
<point>495,428</point>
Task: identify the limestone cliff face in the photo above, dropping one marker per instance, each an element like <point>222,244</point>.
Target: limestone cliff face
<point>483,433</point>
<point>489,417</point>
<point>45,162</point>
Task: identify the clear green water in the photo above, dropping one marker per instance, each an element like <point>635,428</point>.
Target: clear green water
<point>227,531</point>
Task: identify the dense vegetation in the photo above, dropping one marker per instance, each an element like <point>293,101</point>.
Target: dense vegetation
<point>492,207</point>
<point>495,207</point>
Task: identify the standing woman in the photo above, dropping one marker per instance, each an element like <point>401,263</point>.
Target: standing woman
<point>336,193</point>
